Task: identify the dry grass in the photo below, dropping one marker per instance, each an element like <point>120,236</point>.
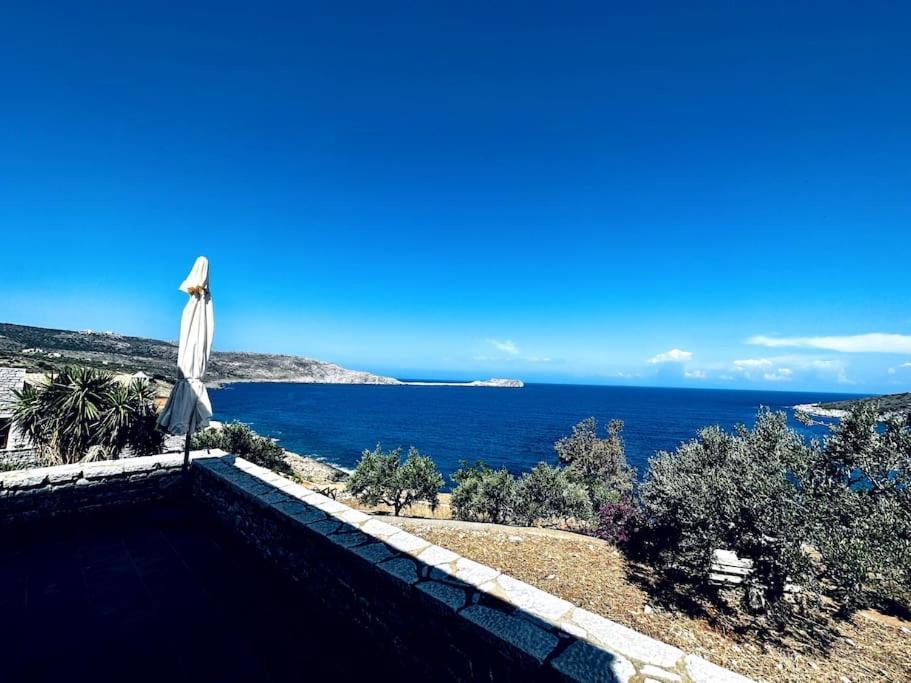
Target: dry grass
<point>593,575</point>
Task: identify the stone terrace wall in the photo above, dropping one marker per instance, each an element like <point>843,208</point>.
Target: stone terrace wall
<point>47,492</point>
<point>455,618</point>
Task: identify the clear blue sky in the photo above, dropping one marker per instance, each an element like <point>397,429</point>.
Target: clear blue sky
<point>555,191</point>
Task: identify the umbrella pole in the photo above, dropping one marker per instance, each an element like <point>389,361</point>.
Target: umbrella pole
<point>186,447</point>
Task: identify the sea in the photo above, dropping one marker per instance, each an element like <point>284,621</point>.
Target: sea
<point>511,428</point>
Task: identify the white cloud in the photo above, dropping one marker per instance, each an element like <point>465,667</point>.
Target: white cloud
<point>875,342</point>
<point>779,375</point>
<point>905,365</point>
<point>749,363</point>
<point>694,374</point>
<point>750,368</point>
<point>891,371</point>
<point>506,346</point>
<point>672,356</point>
<point>537,359</point>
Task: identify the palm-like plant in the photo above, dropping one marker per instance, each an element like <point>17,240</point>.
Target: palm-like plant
<point>82,414</point>
<point>130,420</point>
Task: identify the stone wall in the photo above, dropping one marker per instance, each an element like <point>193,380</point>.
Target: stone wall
<point>18,458</point>
<point>47,492</point>
<point>11,380</point>
<point>455,618</point>
<point>17,439</point>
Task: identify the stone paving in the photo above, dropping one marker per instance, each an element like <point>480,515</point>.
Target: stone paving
<point>161,594</point>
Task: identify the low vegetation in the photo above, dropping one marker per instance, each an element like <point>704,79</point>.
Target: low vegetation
<point>592,472</point>
<point>484,495</point>
<point>382,477</point>
<point>824,525</point>
<point>238,439</point>
<point>80,414</point>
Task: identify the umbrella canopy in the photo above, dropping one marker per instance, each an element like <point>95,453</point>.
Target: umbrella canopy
<point>188,407</point>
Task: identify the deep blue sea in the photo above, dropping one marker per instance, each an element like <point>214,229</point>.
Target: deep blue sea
<point>514,428</point>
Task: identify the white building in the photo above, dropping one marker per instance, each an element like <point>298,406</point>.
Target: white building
<point>11,380</point>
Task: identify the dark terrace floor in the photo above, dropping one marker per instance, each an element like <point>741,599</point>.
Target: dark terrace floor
<point>162,595</point>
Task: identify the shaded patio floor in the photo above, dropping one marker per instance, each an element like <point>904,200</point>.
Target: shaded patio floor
<point>163,594</point>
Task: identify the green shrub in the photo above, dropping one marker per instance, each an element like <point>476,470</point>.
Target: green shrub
<point>591,474</point>
<point>483,495</point>
<point>598,463</point>
<point>82,414</point>
<point>548,496</point>
<point>238,439</point>
<point>382,477</point>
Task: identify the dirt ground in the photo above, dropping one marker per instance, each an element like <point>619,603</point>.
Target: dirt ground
<point>594,575</point>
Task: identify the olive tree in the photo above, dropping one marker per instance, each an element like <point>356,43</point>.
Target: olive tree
<point>733,491</point>
<point>383,477</point>
<point>597,462</point>
<point>828,518</point>
<point>548,496</point>
<point>858,489</point>
<point>484,495</point>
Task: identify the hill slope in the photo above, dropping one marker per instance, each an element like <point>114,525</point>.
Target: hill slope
<point>889,403</point>
<point>40,349</point>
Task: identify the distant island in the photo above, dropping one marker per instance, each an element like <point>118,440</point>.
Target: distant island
<point>492,382</point>
<point>889,404</point>
<point>40,349</point>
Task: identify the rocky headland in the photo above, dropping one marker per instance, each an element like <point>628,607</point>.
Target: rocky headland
<point>887,404</point>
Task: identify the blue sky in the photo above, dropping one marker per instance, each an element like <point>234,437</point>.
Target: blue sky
<point>680,194</point>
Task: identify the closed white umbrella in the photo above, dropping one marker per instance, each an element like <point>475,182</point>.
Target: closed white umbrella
<point>188,407</point>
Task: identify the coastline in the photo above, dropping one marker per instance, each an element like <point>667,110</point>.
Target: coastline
<point>313,470</point>
<point>385,381</point>
<point>301,379</point>
<point>817,411</point>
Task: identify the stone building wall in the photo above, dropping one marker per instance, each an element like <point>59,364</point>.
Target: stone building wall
<point>11,381</point>
<point>18,459</point>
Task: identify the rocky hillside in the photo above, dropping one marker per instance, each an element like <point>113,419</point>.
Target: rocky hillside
<point>889,403</point>
<point>40,349</point>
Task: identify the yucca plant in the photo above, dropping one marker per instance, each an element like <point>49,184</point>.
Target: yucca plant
<point>83,414</point>
<point>130,419</point>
